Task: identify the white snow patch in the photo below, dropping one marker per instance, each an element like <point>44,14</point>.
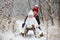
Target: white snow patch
<point>8,35</point>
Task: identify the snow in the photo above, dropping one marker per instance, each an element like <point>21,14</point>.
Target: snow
<point>9,35</point>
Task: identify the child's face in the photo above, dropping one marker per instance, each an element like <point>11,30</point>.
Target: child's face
<point>35,12</point>
<point>30,16</point>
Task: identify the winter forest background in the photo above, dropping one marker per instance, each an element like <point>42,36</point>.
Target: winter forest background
<point>12,11</point>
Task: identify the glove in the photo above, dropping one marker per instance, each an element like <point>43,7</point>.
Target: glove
<point>39,27</point>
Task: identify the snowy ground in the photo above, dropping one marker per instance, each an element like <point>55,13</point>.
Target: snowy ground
<point>15,36</point>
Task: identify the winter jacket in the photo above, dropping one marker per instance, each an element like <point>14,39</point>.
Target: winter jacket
<point>31,21</point>
<point>37,19</point>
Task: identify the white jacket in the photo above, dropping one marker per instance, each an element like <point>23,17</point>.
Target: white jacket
<point>31,21</point>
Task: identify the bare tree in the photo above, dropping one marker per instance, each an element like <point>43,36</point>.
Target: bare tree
<point>49,11</point>
<point>40,8</point>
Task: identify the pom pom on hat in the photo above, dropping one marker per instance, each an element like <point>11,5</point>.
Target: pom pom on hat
<point>36,5</point>
<point>31,13</point>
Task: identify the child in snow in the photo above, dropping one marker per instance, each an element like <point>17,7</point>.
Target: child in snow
<point>31,20</point>
<point>31,23</point>
<point>35,11</point>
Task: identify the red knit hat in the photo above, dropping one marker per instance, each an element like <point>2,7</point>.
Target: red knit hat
<point>35,8</point>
